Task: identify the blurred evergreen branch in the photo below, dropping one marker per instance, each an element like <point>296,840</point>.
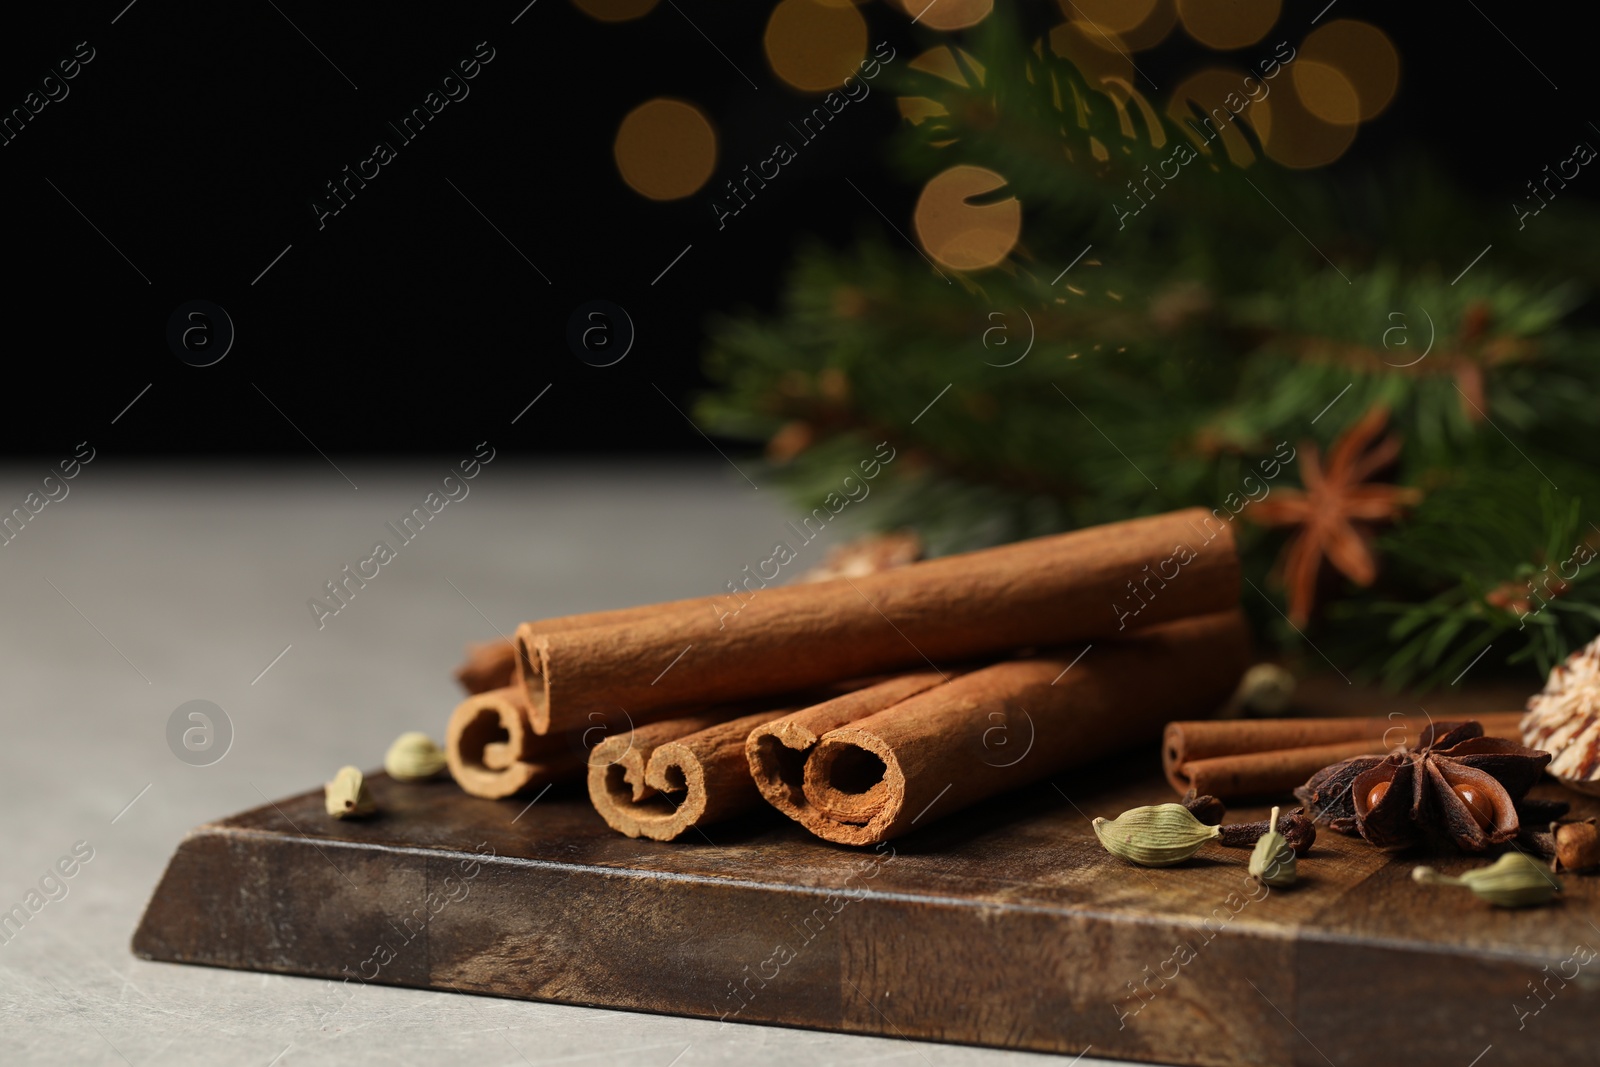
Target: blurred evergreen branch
<point>1190,342</point>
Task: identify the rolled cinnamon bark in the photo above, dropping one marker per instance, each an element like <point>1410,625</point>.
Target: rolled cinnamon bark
<point>488,665</point>
<point>493,664</point>
<point>493,752</point>
<point>941,749</point>
<point>665,778</point>
<point>775,752</point>
<point>1084,585</point>
<point>1257,757</point>
<point>662,779</point>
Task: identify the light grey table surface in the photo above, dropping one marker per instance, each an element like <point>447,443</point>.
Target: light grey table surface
<point>149,586</point>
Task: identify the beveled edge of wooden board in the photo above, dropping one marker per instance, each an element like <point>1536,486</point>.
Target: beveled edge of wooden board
<point>1046,955</point>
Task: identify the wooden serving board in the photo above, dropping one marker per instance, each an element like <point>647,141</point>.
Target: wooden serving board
<point>1006,925</point>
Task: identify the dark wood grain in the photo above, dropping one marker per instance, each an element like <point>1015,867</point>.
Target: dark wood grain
<point>1005,925</point>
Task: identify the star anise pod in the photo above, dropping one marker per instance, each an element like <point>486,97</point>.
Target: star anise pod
<point>1335,512</point>
<point>1456,785</point>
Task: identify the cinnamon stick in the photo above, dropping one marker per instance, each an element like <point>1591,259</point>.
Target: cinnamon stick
<point>775,752</point>
<point>493,752</point>
<point>1085,585</point>
<point>665,778</point>
<point>1258,757</point>
<point>488,665</point>
<point>940,750</point>
<point>492,664</point>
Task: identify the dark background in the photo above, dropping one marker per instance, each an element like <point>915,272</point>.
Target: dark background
<point>199,135</point>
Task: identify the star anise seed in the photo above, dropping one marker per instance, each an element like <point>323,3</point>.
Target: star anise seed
<point>1413,795</point>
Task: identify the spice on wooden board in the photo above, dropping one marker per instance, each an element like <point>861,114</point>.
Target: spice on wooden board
<point>1272,862</point>
<point>939,750</point>
<point>1264,757</point>
<point>347,796</point>
<point>414,757</point>
<point>1513,881</point>
<point>1569,846</point>
<point>1456,785</point>
<point>493,752</point>
<point>1296,828</point>
<point>493,664</point>
<point>1156,835</point>
<point>665,778</point>
<point>1044,592</point>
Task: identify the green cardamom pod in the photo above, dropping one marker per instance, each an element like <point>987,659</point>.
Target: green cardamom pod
<point>1512,881</point>
<point>1272,862</point>
<point>347,796</point>
<point>1157,835</point>
<point>413,757</point>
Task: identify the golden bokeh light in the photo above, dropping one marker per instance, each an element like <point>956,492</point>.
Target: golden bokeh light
<point>1326,92</point>
<point>941,62</point>
<point>1220,96</point>
<point>947,14</point>
<point>1095,50</point>
<point>814,45</point>
<point>665,149</point>
<point>1298,138</point>
<point>615,10</point>
<point>1156,27</point>
<point>1363,54</point>
<point>919,109</point>
<point>962,235</point>
<point>1228,24</point>
<point>1115,16</point>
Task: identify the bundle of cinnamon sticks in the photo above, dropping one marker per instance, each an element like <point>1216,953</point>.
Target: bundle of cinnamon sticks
<point>869,704</point>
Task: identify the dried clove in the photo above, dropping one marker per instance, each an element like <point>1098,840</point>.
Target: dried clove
<point>1296,827</point>
<point>1208,809</point>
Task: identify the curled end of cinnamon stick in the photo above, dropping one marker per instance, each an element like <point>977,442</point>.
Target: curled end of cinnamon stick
<point>1172,757</point>
<point>492,752</point>
<point>842,784</point>
<point>658,793</point>
<point>777,756</point>
<point>854,788</point>
<point>1208,809</point>
<point>665,778</point>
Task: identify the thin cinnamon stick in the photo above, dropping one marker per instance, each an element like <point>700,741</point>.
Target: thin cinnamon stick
<point>488,665</point>
<point>493,752</point>
<point>1084,585</point>
<point>1257,757</point>
<point>938,751</point>
<point>1260,774</point>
